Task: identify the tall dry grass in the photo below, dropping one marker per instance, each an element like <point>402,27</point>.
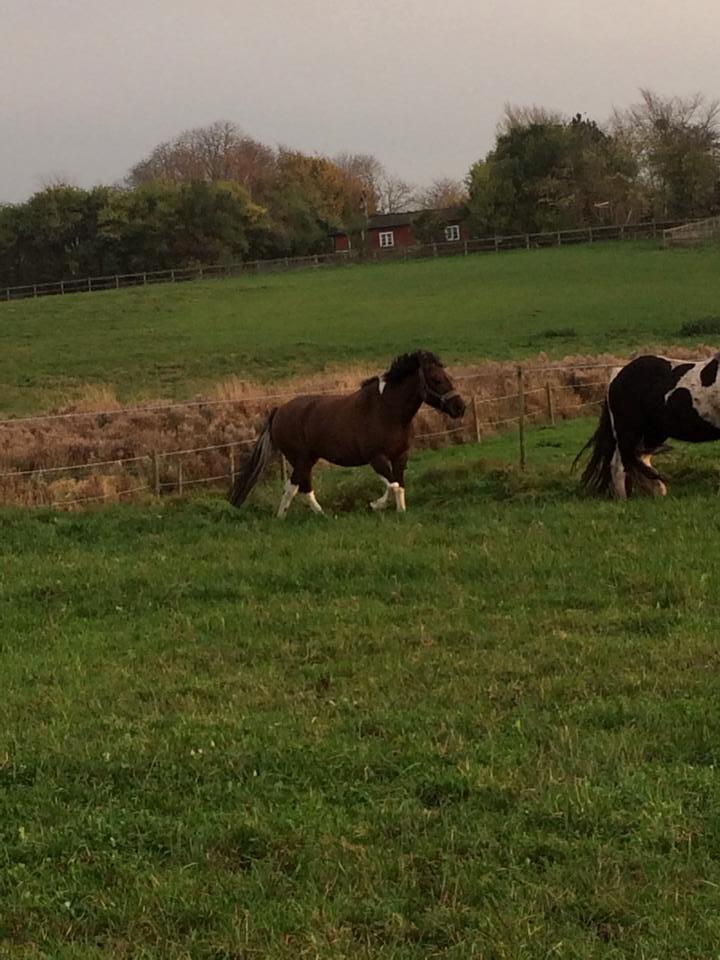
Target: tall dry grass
<point>126,443</point>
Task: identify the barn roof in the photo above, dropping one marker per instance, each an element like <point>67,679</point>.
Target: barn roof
<point>385,221</point>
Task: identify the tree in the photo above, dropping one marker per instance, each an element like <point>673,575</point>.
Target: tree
<point>675,143</point>
<point>369,171</point>
<point>395,195</point>
<point>175,225</point>
<point>443,193</point>
<point>219,152</point>
<point>550,175</point>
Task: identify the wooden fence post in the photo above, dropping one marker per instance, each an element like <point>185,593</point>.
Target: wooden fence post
<point>232,465</point>
<point>521,416</point>
<point>550,403</point>
<point>156,472</point>
<point>476,418</point>
<point>180,475</point>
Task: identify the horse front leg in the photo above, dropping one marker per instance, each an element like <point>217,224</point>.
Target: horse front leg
<point>398,466</point>
<point>393,473</point>
<point>382,466</point>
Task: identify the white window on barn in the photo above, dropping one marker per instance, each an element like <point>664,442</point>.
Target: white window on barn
<point>387,238</point>
<point>452,232</point>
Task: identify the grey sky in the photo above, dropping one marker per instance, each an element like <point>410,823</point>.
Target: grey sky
<point>88,87</point>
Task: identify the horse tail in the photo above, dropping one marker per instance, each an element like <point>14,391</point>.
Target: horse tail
<point>251,471</point>
<point>597,476</point>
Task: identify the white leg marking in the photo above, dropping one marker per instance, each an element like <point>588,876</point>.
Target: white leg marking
<point>658,489</point>
<point>382,501</point>
<point>399,498</point>
<point>617,471</point>
<point>312,502</point>
<point>287,498</point>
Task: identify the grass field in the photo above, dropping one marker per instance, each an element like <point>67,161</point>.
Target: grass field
<point>176,341</point>
<point>488,728</point>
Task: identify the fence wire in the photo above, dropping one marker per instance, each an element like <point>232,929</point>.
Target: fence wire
<point>154,465</point>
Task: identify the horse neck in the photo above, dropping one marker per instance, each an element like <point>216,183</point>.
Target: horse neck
<point>404,399</point>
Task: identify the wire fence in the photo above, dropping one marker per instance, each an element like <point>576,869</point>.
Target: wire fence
<point>530,241</point>
<point>504,399</point>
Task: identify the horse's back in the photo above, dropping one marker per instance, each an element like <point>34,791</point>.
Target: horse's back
<point>347,430</point>
<point>318,426</point>
<point>646,379</point>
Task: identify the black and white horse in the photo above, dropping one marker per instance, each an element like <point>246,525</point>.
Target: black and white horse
<point>649,400</point>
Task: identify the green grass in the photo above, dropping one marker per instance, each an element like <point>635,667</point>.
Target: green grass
<point>488,728</point>
<point>175,341</point>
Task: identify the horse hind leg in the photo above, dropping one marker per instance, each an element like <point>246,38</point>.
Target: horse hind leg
<point>656,485</point>
<point>618,475</point>
<point>302,478</point>
<point>313,503</point>
<point>287,498</point>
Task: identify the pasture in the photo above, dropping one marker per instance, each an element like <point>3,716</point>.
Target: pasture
<point>176,341</point>
<point>487,728</point>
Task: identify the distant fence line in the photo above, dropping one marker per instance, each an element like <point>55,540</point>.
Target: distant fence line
<point>164,471</point>
<point>529,241</point>
<point>697,231</point>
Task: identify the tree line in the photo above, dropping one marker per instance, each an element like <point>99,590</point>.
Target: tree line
<point>214,194</point>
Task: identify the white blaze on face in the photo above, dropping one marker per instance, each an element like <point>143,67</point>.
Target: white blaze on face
<point>382,383</point>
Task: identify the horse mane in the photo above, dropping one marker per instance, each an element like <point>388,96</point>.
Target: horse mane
<point>404,365</point>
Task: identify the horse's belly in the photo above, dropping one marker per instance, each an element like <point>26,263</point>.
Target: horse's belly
<point>693,417</point>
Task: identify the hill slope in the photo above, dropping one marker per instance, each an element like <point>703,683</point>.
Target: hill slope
<point>175,341</point>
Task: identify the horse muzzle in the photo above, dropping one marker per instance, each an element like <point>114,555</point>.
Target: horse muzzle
<point>454,406</point>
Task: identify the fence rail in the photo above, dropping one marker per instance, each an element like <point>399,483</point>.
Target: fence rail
<point>529,241</point>
<point>534,397</point>
<point>698,231</point>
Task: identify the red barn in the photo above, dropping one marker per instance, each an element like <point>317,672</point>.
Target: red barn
<point>387,230</point>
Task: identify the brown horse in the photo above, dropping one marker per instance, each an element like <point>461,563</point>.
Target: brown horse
<point>372,425</point>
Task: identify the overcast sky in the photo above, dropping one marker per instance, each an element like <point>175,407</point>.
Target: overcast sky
<point>88,87</point>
